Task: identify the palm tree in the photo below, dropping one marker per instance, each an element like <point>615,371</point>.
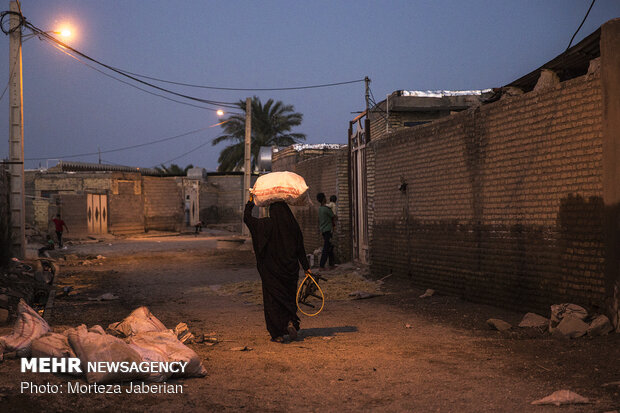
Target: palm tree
<point>271,126</point>
<point>173,169</point>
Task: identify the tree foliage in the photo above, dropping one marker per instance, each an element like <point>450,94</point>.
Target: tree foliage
<point>271,126</point>
<point>173,169</point>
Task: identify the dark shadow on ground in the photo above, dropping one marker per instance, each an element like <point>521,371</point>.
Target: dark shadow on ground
<point>325,331</point>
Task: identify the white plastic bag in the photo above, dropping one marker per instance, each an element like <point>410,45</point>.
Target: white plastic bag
<point>280,186</point>
<point>28,327</point>
<point>139,321</point>
<point>93,345</point>
<point>168,345</point>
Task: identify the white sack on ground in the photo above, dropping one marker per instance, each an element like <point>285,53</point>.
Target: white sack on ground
<point>149,356</point>
<point>52,345</point>
<point>168,345</point>
<point>94,345</point>
<point>139,321</point>
<point>28,326</point>
<point>562,397</point>
<point>280,186</point>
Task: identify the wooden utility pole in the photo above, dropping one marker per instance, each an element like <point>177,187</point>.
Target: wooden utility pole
<point>247,165</point>
<point>16,135</point>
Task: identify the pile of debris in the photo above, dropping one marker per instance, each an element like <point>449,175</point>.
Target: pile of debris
<point>139,338</point>
<point>566,320</point>
<point>32,283</point>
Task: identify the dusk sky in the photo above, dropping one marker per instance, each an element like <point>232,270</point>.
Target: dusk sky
<point>70,108</point>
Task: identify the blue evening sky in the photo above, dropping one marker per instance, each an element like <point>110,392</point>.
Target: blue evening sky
<point>412,45</point>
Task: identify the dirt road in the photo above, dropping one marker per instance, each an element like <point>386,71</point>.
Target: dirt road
<point>390,353</point>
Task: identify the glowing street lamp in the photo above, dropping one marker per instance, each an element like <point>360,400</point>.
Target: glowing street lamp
<point>220,112</point>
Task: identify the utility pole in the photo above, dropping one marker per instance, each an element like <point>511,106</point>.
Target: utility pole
<point>367,120</point>
<point>247,165</point>
<point>16,135</point>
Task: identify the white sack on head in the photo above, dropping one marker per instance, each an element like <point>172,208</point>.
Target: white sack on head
<point>28,326</point>
<point>280,186</point>
<point>139,321</point>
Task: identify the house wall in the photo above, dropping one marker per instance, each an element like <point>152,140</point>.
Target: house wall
<point>327,174</point>
<point>163,203</point>
<point>126,207</point>
<point>227,207</point>
<point>503,202</point>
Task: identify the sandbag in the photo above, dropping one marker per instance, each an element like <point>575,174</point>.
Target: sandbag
<point>168,345</point>
<point>95,346</point>
<point>149,355</point>
<point>280,186</point>
<point>140,320</point>
<point>28,327</point>
<point>52,345</point>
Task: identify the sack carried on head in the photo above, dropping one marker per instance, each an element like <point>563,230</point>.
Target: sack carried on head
<point>280,186</point>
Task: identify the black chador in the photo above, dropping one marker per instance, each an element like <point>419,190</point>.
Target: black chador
<point>279,249</point>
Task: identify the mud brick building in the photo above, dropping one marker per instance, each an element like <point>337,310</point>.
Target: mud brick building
<point>221,199</point>
<point>513,202</point>
<point>510,197</point>
<point>97,199</point>
<point>324,167</point>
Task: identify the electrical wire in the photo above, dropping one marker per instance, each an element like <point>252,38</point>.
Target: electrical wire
<point>184,154</point>
<point>123,148</point>
<point>45,35</point>
<point>61,49</point>
<point>582,22</point>
<point>242,89</point>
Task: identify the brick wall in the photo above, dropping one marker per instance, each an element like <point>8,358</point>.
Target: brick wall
<point>73,212</point>
<point>223,199</point>
<point>327,174</point>
<point>126,207</point>
<point>163,204</point>
<point>503,203</point>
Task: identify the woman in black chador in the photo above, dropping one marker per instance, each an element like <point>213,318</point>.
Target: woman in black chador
<point>279,249</point>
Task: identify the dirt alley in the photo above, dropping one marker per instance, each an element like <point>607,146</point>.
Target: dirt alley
<point>391,353</point>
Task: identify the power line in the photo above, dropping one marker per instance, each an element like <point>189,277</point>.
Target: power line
<point>125,82</point>
<point>184,154</point>
<point>123,148</point>
<point>582,22</point>
<point>242,89</point>
<point>45,35</point>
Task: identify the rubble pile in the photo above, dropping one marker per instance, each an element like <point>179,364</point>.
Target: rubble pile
<point>566,321</point>
<point>31,283</point>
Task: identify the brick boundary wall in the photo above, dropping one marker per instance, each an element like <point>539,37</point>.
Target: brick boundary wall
<point>163,204</point>
<point>503,202</point>
<point>328,174</point>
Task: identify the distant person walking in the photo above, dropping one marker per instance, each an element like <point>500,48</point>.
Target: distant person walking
<point>59,224</point>
<point>326,227</point>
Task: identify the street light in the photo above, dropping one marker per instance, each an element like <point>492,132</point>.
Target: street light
<point>16,129</point>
